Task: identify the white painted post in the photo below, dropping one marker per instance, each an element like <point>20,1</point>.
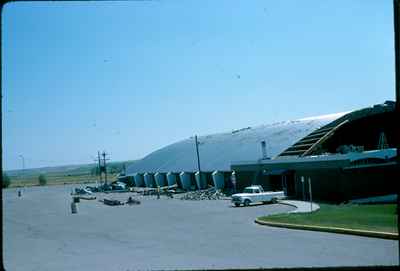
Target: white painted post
<point>233,179</point>
<point>303,189</point>
<point>310,191</point>
<point>74,210</point>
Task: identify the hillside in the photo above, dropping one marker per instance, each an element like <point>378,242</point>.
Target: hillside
<point>69,174</point>
<point>80,169</point>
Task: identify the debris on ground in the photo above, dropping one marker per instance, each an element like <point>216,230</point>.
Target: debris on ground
<point>149,192</point>
<point>132,201</point>
<point>112,202</point>
<point>93,189</point>
<point>206,194</point>
<point>101,188</point>
<point>169,193</point>
<point>81,191</point>
<point>115,187</point>
<point>87,197</point>
<point>117,191</point>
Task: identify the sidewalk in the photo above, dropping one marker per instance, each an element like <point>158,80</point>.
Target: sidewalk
<point>301,206</point>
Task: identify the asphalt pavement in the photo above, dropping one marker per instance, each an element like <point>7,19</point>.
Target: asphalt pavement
<point>40,233</point>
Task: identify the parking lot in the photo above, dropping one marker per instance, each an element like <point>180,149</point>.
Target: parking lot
<point>40,233</point>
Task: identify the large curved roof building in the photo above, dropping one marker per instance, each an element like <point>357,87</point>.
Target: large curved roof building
<point>347,155</point>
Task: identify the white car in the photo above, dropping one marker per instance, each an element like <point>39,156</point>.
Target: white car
<point>255,193</point>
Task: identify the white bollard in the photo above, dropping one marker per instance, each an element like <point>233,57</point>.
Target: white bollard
<point>74,209</point>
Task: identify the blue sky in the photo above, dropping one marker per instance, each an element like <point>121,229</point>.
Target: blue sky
<point>132,77</point>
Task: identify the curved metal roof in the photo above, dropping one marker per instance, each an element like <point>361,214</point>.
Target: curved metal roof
<point>217,151</point>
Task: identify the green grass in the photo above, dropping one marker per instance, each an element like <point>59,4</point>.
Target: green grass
<point>73,174</point>
<point>381,217</point>
<point>54,179</point>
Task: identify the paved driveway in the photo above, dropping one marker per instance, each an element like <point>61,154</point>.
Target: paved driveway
<point>40,233</point>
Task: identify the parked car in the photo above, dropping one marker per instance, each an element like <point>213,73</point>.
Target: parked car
<point>118,186</point>
<point>255,193</point>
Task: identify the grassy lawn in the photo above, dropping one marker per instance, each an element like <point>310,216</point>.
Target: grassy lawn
<point>381,217</point>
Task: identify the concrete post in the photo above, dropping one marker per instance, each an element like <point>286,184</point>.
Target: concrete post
<point>74,209</point>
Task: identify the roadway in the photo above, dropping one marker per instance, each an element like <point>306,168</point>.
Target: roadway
<point>40,233</point>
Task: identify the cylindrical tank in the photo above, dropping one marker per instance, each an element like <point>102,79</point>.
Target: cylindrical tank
<point>139,181</point>
<point>185,180</point>
<point>160,178</point>
<point>219,180</point>
<point>201,180</point>
<point>149,180</point>
<point>131,181</point>
<point>171,178</point>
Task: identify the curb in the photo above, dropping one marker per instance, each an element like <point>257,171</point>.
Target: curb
<point>376,234</point>
<point>297,207</point>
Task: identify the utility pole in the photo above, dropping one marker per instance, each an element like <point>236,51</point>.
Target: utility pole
<point>98,171</point>
<point>102,166</point>
<point>105,166</point>
<point>99,166</point>
<point>198,158</point>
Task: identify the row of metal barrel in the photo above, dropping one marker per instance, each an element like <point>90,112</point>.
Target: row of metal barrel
<point>185,180</point>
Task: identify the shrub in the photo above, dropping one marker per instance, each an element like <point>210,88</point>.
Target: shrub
<point>42,179</point>
<point>6,181</point>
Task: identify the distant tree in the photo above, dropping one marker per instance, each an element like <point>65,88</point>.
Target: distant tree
<point>42,179</point>
<point>6,181</point>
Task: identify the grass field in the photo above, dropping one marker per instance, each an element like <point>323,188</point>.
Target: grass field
<point>58,179</point>
<point>62,174</point>
<point>361,217</point>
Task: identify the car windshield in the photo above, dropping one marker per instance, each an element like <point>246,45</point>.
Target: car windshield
<point>248,190</point>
